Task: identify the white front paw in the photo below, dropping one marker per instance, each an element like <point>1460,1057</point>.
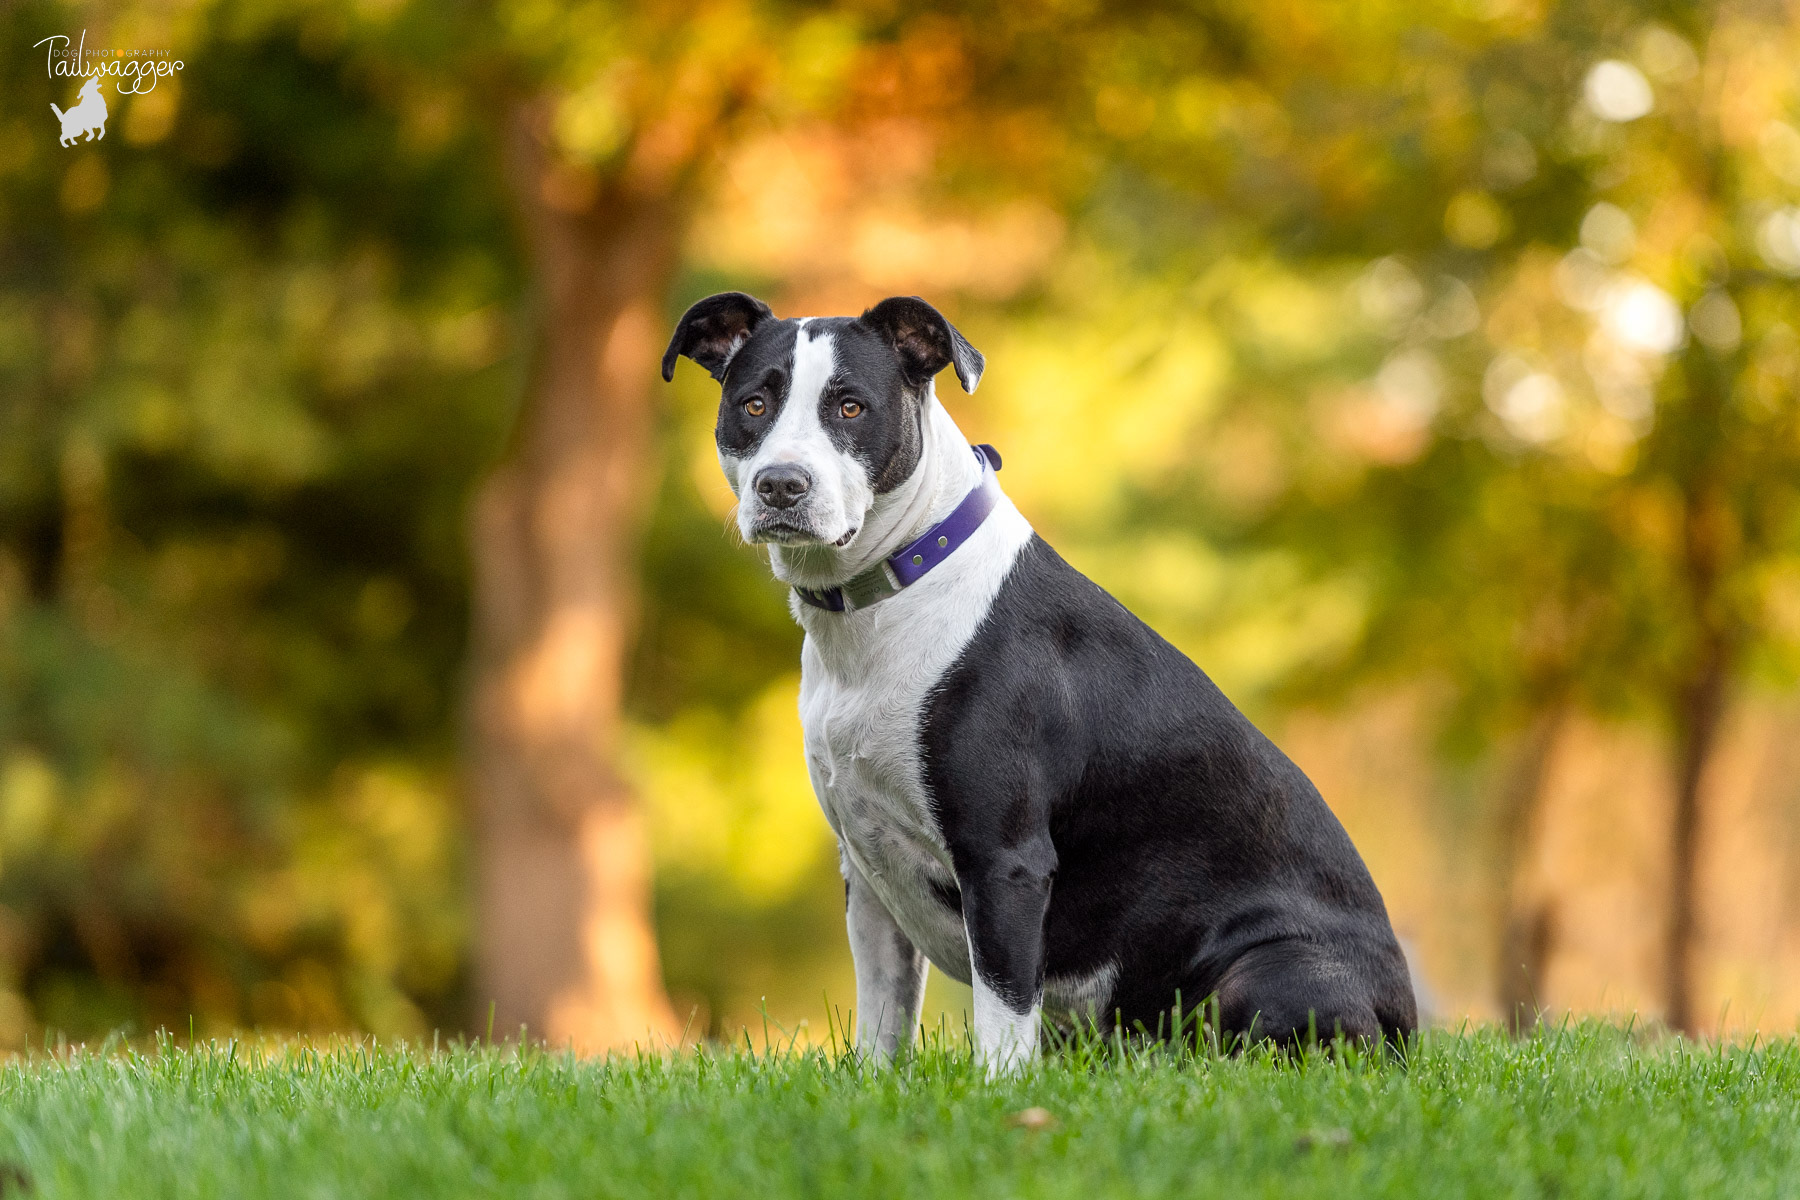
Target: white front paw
<point>1005,1040</point>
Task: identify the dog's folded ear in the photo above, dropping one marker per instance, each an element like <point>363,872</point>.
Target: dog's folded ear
<point>714,330</point>
<point>925,341</point>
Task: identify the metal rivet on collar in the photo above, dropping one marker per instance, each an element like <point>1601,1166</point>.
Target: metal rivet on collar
<point>943,541</point>
<point>917,559</point>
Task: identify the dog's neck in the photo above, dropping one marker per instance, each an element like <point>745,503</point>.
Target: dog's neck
<point>945,474</point>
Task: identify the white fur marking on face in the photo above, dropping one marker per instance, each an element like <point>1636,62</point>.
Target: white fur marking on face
<point>841,490</point>
<point>1005,1041</point>
<point>815,358</point>
<point>733,467</point>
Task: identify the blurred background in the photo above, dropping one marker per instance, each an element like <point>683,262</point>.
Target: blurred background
<point>373,653</point>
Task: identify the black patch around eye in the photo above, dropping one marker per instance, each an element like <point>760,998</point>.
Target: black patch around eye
<point>885,436</point>
<point>762,369</point>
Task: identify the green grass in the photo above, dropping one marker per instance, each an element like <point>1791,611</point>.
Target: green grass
<point>1586,1111</point>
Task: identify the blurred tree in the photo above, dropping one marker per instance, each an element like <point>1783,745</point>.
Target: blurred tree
<point>231,571</point>
<point>613,116</point>
<point>603,156</point>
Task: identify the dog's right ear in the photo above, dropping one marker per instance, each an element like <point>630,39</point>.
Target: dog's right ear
<point>714,330</point>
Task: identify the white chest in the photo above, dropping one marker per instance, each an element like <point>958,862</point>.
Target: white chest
<point>862,752</point>
<point>861,747</point>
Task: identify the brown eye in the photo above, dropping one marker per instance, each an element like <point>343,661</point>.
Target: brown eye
<point>850,408</point>
<point>755,407</point>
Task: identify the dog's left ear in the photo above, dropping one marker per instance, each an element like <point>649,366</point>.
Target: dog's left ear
<point>925,341</point>
<point>714,330</point>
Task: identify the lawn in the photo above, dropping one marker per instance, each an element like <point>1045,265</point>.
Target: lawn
<point>1588,1110</point>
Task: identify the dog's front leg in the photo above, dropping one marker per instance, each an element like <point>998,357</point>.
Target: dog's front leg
<point>1006,895</point>
<point>890,971</point>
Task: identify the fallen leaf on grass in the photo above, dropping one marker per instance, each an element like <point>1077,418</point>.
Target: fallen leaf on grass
<point>1033,1118</point>
<point>1337,1139</point>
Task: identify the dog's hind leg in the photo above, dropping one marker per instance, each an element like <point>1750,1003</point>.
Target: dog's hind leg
<point>1292,992</point>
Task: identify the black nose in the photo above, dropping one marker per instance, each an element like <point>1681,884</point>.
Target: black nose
<point>782,485</point>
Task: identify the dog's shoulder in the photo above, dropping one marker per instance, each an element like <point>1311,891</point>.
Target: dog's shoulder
<point>1064,682</point>
<point>1054,641</point>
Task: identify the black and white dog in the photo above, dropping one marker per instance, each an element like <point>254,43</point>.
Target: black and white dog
<point>1030,788</point>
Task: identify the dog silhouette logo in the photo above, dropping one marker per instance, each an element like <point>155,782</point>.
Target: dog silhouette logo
<point>88,116</point>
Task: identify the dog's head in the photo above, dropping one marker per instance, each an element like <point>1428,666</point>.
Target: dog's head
<point>90,88</point>
<point>818,417</point>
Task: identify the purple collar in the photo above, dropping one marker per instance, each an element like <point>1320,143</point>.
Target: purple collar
<point>909,564</point>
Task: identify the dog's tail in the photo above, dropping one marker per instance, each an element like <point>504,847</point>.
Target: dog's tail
<point>59,112</point>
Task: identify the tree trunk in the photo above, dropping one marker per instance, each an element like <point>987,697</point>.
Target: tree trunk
<point>566,944</point>
<point>1702,704</point>
<point>1710,535</point>
<point>1527,928</point>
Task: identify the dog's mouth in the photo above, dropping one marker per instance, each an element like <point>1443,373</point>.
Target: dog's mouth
<point>784,533</point>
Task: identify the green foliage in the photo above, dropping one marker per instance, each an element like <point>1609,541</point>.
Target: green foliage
<point>1585,1111</point>
<point>253,359</point>
<point>1548,433</point>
